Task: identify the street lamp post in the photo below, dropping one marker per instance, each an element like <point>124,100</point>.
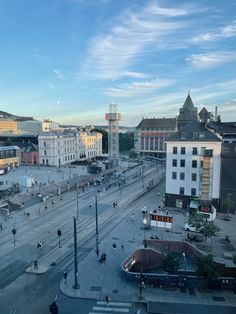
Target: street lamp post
<point>76,285</point>
<point>48,177</point>
<point>185,264</point>
<point>144,230</point>
<point>228,210</point>
<point>59,237</point>
<point>77,199</point>
<point>142,175</point>
<point>141,285</point>
<point>97,234</point>
<point>14,235</point>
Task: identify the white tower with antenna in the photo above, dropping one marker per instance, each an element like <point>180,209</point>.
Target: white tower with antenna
<point>113,118</point>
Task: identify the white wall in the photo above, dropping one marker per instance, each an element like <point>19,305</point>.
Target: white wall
<point>173,186</point>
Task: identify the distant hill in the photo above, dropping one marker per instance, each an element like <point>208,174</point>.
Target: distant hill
<point>6,115</point>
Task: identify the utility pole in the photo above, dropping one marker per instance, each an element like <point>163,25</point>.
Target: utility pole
<point>229,203</point>
<point>142,175</point>
<point>76,285</point>
<point>141,285</point>
<point>97,234</point>
<point>77,199</point>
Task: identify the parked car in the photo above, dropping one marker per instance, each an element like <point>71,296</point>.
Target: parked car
<point>189,227</point>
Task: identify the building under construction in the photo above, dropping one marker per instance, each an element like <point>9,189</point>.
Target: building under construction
<point>113,118</point>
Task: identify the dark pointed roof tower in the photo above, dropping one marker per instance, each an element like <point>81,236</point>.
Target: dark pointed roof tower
<point>204,115</point>
<point>187,113</point>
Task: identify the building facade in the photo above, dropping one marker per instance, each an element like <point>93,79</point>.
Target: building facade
<point>151,134</point>
<point>29,153</point>
<point>9,157</point>
<point>8,125</point>
<point>193,166</point>
<point>57,149</point>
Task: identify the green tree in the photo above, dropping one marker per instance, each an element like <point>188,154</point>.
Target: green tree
<point>126,141</point>
<point>208,229</point>
<point>133,153</point>
<point>9,142</point>
<point>170,261</point>
<point>227,205</point>
<point>197,220</point>
<point>206,268</point>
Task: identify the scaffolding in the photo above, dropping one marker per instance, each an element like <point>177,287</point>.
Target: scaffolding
<point>206,177</point>
<point>113,118</point>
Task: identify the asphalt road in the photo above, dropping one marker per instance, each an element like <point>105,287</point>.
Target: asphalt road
<point>28,293</point>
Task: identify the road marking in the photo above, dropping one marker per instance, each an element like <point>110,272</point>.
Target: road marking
<point>114,303</point>
<point>110,309</point>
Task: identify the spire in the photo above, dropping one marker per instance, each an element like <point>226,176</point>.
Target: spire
<point>188,104</point>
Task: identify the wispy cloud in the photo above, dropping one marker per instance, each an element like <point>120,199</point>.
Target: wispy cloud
<point>115,52</point>
<point>59,74</point>
<point>50,85</point>
<point>40,57</point>
<point>137,88</point>
<point>221,33</point>
<point>211,59</point>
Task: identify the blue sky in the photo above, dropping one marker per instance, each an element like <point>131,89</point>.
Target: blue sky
<point>68,59</point>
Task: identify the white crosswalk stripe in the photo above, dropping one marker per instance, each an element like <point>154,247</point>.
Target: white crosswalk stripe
<point>110,309</point>
<point>113,307</point>
<point>114,303</point>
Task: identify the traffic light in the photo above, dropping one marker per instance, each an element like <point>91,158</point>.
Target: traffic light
<point>59,232</point>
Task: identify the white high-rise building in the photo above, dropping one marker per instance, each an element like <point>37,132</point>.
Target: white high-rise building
<point>193,166</point>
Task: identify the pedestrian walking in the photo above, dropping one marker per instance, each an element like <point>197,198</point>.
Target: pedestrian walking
<point>1,226</point>
<point>122,247</point>
<point>65,276</point>
<point>107,300</point>
<point>35,264</point>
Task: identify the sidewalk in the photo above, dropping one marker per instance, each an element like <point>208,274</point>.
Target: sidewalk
<point>97,280</point>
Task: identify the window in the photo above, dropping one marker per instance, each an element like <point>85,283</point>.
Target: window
<point>182,150</point>
<point>174,175</point>
<point>44,144</point>
<point>182,163</point>
<point>45,152</point>
<point>181,191</point>
<point>182,175</point>
<point>174,162</point>
<point>194,163</point>
<point>193,192</point>
<point>194,150</point>
<point>175,150</point>
<point>194,177</point>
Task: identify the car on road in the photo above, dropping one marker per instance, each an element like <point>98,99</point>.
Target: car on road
<point>189,227</point>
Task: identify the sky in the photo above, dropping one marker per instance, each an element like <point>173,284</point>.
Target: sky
<point>67,60</point>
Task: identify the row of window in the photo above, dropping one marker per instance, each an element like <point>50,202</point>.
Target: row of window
<point>182,191</point>
<point>182,176</point>
<point>149,143</point>
<point>7,154</point>
<point>158,129</point>
<point>182,163</point>
<point>183,150</point>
